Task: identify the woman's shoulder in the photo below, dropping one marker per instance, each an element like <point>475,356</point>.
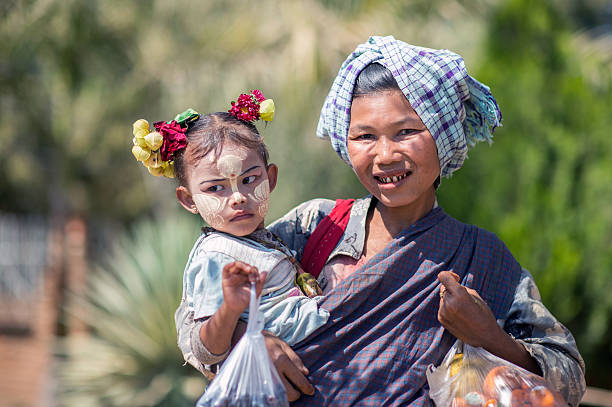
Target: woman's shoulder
<point>314,206</point>
<point>482,236</point>
<point>297,225</point>
<point>304,217</point>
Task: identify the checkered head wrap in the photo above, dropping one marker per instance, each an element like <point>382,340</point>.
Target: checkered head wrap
<point>457,110</point>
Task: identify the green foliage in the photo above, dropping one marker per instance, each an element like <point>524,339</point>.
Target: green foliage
<point>131,358</point>
<point>544,185</point>
<point>77,73</point>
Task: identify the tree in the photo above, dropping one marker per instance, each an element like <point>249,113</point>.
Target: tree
<point>544,184</point>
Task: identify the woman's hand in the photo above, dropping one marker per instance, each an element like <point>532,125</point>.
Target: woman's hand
<point>289,367</point>
<point>467,316</point>
<point>236,283</point>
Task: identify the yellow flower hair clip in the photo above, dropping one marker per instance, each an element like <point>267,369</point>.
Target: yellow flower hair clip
<point>156,149</point>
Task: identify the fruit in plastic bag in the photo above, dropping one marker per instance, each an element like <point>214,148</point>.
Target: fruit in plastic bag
<point>247,378</point>
<point>473,377</point>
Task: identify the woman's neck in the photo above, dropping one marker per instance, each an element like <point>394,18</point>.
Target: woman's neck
<point>396,219</point>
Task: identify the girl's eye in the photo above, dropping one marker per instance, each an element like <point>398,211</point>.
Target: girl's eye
<point>249,180</point>
<point>215,188</point>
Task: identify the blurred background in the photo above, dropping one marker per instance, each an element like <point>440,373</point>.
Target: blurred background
<point>92,247</point>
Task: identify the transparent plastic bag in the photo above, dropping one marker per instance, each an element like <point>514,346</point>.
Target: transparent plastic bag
<point>473,377</point>
<point>247,378</point>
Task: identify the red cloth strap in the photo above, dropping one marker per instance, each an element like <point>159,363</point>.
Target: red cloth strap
<point>326,236</point>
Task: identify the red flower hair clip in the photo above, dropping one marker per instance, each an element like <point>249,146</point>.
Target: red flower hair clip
<point>252,107</point>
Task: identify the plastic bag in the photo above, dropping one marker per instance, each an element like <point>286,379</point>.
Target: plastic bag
<point>473,377</point>
<point>247,378</point>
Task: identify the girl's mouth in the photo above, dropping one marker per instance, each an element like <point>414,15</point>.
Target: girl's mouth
<point>392,179</point>
<point>241,216</point>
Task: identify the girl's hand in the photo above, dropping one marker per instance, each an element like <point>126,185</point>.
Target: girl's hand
<point>467,316</point>
<point>236,283</point>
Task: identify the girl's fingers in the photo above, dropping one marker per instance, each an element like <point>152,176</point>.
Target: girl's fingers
<point>238,267</point>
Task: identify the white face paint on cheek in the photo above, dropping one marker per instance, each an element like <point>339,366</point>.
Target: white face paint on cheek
<point>261,198</point>
<point>210,208</point>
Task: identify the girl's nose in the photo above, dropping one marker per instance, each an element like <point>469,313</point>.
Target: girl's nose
<point>238,198</point>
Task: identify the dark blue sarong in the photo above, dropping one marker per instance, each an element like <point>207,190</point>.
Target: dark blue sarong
<point>383,329</point>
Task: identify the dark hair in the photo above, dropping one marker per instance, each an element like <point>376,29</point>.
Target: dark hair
<point>373,79</point>
<point>209,133</point>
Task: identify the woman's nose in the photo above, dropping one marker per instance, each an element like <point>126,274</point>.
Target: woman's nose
<point>385,151</point>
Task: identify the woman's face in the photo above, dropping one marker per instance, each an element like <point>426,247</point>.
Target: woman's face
<point>391,150</point>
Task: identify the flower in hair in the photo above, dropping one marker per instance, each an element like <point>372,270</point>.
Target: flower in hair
<point>174,138</point>
<point>252,107</point>
<point>156,149</point>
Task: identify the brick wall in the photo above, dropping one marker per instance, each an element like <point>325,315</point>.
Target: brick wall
<point>27,376</point>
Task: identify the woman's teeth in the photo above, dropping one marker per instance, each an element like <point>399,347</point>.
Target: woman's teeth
<point>387,180</point>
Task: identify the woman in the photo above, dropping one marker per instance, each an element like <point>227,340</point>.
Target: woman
<point>405,278</point>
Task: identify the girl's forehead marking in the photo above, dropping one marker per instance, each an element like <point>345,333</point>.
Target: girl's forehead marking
<point>229,165</point>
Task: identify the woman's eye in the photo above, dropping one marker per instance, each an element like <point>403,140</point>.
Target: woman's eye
<point>249,180</point>
<point>215,188</point>
<point>364,137</point>
<point>407,132</point>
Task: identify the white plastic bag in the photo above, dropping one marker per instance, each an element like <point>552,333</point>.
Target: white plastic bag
<point>247,378</point>
<point>473,377</point>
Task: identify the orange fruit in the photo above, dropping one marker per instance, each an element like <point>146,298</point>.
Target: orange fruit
<point>520,398</point>
<point>500,379</point>
<point>540,396</point>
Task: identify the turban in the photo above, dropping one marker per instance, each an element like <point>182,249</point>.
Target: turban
<point>457,110</point>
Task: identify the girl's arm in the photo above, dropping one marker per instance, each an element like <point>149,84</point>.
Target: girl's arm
<point>216,332</point>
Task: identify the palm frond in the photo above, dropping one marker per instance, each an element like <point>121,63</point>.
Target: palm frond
<point>131,357</point>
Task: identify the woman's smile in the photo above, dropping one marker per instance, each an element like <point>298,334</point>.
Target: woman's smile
<point>392,179</point>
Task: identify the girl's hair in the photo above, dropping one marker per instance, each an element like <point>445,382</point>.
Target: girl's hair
<point>209,133</point>
<point>373,79</point>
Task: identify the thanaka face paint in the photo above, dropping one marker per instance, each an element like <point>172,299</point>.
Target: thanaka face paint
<point>261,195</point>
<point>235,191</point>
<point>230,166</point>
<point>209,208</point>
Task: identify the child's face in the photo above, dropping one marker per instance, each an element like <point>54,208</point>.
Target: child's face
<point>231,191</point>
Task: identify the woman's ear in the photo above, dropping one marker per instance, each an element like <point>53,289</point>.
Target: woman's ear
<point>272,175</point>
<point>184,197</point>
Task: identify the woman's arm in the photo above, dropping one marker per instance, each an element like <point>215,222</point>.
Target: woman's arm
<point>549,342</point>
<point>467,316</point>
<point>531,337</point>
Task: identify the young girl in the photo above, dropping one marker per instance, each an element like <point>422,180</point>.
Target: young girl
<point>222,167</point>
